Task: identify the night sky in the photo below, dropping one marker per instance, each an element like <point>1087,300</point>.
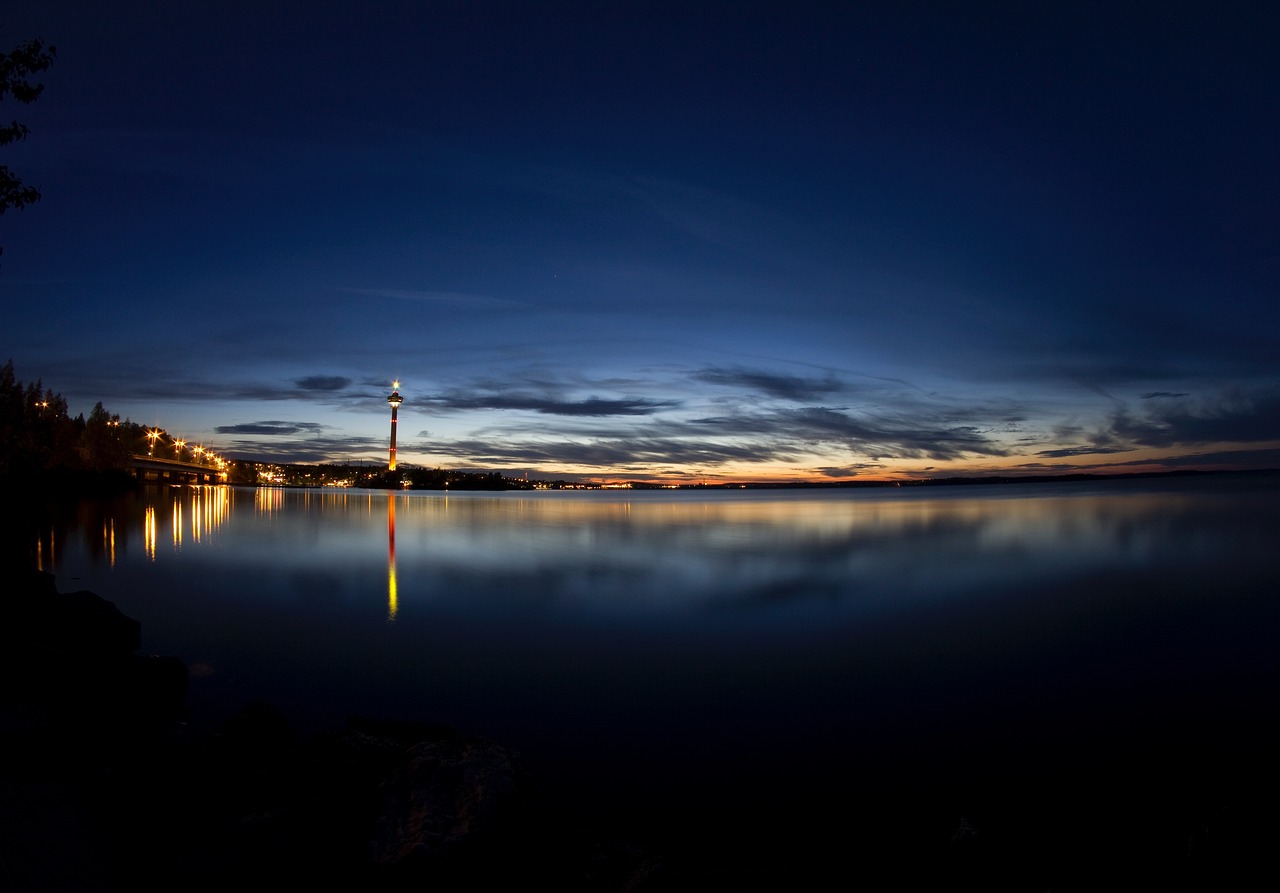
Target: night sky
<point>660,240</point>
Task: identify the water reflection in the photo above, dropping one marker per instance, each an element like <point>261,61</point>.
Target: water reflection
<point>616,618</point>
<point>620,553</point>
<point>268,500</point>
<point>106,531</point>
<point>392,597</point>
<point>149,531</point>
<point>44,552</point>
<point>609,555</point>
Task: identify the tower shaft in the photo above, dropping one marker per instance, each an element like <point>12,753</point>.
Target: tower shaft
<point>394,401</point>
<point>391,462</point>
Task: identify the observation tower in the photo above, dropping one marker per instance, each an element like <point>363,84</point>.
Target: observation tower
<point>395,400</point>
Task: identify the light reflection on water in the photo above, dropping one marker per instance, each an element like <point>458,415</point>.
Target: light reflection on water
<point>622,623</point>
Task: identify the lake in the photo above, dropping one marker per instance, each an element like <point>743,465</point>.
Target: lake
<point>682,652</point>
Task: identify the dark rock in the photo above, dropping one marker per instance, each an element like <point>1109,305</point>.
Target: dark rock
<point>88,626</point>
<point>81,625</point>
<point>260,730</point>
<point>156,686</point>
<point>449,803</point>
<point>74,654</point>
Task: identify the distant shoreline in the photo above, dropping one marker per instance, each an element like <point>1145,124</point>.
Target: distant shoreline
<point>518,485</point>
<point>950,481</point>
<point>109,484</point>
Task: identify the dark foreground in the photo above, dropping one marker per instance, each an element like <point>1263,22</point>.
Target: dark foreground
<point>104,786</point>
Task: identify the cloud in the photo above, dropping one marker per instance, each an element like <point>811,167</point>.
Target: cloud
<point>1260,459</point>
<point>271,428</point>
<point>590,406</point>
<point>322,382</point>
<point>1234,416</point>
<point>784,387</point>
<point>844,471</point>
<point>879,436</point>
<point>1067,452</point>
<point>776,437</point>
<point>322,449</point>
<point>636,453</point>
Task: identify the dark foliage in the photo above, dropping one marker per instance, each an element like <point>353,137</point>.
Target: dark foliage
<point>42,445</point>
<point>16,68</point>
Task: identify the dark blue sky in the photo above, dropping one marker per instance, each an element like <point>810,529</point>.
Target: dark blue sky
<point>621,240</point>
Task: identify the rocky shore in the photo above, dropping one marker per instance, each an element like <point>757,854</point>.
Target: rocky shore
<point>104,786</point>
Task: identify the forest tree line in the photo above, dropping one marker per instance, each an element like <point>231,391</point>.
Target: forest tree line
<point>40,440</point>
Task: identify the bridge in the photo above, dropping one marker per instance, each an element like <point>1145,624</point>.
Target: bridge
<point>151,469</point>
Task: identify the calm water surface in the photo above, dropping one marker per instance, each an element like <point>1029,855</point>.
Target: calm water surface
<point>654,638</point>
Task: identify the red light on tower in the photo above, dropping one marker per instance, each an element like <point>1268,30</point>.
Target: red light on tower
<point>395,400</point>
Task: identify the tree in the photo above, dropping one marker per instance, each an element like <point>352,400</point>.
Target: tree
<point>16,68</point>
<point>104,442</point>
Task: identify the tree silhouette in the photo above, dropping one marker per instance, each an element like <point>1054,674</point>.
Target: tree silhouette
<point>16,67</point>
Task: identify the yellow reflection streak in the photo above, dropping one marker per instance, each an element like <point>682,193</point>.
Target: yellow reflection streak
<point>392,596</point>
<point>210,508</point>
<point>149,532</point>
<point>219,507</point>
<point>109,540</point>
<point>267,501</point>
<point>195,516</point>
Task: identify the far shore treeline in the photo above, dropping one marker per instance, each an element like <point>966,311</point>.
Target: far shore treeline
<point>43,448</point>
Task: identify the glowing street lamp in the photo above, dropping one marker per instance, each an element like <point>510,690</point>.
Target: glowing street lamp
<point>153,435</point>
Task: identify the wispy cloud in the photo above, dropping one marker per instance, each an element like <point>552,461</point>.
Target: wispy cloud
<point>608,454</point>
<point>1237,415</point>
<point>783,387</point>
<point>589,406</point>
<point>322,382</point>
<point>272,428</point>
<point>1069,452</point>
<point>874,434</point>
